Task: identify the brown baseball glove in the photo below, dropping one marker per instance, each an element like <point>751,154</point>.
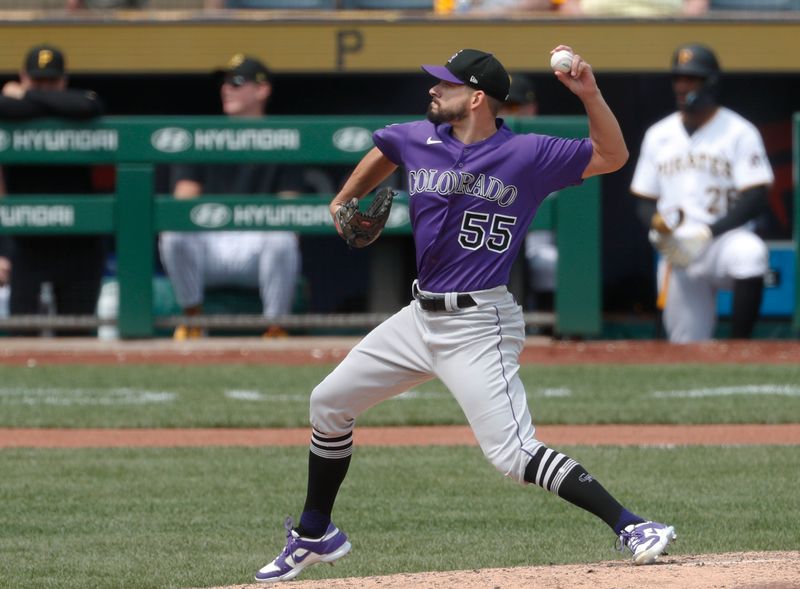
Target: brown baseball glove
<point>359,229</point>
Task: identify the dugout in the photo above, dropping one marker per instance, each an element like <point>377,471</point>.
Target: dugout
<point>333,63</point>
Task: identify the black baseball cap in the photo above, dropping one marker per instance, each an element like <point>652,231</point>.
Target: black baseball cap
<point>44,61</point>
<point>477,69</point>
<point>522,90</point>
<point>243,68</point>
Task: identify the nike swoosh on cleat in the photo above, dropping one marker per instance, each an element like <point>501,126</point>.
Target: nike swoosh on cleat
<point>431,141</point>
<point>300,558</point>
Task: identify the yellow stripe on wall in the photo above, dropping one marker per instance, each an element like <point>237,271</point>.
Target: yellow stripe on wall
<point>397,46</point>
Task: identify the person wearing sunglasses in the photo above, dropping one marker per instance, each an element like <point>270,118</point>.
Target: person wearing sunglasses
<point>266,260</point>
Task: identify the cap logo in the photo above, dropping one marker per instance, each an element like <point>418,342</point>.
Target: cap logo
<point>473,80</point>
<point>45,57</point>
<point>685,56</point>
<point>236,61</point>
<point>452,57</point>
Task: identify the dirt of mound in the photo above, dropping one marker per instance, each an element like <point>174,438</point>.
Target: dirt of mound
<point>326,350</point>
<point>741,570</point>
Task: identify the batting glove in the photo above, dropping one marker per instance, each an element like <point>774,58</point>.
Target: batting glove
<point>691,240</point>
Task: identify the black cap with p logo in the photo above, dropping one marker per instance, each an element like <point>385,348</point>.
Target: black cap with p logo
<point>243,68</point>
<point>44,61</point>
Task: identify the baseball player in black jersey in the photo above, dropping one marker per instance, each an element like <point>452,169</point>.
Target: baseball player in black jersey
<point>73,265</point>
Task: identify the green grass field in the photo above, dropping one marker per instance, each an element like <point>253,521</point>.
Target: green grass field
<point>210,517</point>
<point>155,518</point>
<point>274,396</point>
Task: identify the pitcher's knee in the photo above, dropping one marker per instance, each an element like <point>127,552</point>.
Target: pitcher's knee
<point>511,460</point>
<point>327,411</point>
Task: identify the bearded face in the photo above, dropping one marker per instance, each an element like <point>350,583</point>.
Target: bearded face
<point>449,103</point>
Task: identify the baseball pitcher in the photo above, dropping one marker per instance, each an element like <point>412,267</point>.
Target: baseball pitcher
<point>475,187</point>
<point>706,170</point>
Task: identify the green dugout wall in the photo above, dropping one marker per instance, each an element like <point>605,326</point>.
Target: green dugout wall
<point>134,213</point>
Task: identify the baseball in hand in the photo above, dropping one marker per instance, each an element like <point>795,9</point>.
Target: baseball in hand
<point>561,61</point>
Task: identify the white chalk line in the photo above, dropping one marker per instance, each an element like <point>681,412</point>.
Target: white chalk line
<point>65,396</point>
<point>256,395</point>
<point>759,389</point>
<point>62,396</point>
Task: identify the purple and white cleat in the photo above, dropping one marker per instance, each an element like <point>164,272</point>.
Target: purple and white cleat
<point>301,552</point>
<point>646,541</point>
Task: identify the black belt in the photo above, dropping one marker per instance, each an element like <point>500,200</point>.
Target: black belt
<point>437,303</point>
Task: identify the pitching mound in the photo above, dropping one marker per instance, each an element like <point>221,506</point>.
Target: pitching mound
<point>739,570</point>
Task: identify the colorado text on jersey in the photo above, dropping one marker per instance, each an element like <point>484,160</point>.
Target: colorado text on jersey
<point>451,182</point>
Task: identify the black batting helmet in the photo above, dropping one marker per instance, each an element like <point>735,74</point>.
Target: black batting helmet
<point>698,60</point>
<point>695,60</point>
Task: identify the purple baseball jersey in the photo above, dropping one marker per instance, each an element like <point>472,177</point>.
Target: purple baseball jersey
<point>471,205</point>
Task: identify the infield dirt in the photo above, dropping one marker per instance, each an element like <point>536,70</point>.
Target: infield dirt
<point>739,570</point>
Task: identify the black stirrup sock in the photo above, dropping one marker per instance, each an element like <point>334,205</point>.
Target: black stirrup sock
<point>561,475</point>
